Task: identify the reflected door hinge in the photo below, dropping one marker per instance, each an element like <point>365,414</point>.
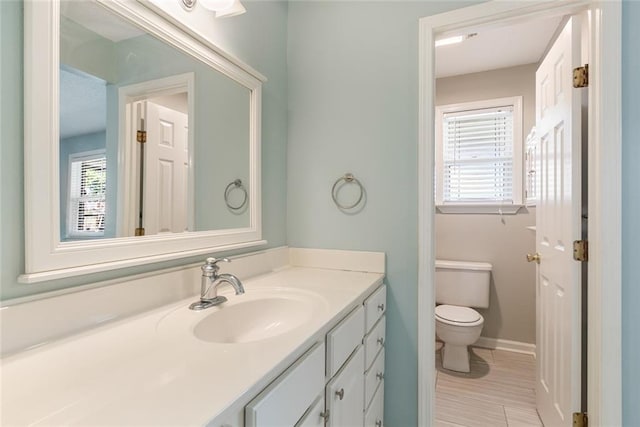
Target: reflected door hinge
<point>141,136</point>
<point>580,419</point>
<point>139,231</point>
<point>581,250</point>
<point>581,76</point>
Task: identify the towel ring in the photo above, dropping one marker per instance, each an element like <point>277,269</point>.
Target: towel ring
<point>232,186</point>
<point>347,178</point>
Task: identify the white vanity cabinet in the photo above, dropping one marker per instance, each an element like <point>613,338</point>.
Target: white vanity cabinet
<point>338,383</point>
<point>287,399</point>
<point>374,340</point>
<point>355,395</point>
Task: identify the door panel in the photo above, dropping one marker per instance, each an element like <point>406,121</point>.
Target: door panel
<point>558,225</point>
<point>166,178</point>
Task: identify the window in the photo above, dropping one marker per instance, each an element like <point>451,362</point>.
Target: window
<point>479,157</point>
<point>87,189</point>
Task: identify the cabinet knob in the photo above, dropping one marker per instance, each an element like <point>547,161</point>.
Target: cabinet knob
<point>381,307</point>
<point>379,423</point>
<point>380,376</point>
<point>324,414</point>
<point>340,393</point>
<point>381,341</point>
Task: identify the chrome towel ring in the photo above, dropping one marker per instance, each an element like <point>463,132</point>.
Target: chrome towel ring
<point>236,184</point>
<point>347,178</point>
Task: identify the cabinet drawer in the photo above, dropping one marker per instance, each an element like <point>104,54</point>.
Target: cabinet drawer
<point>375,306</point>
<point>374,342</point>
<point>372,378</point>
<point>343,339</point>
<point>374,417</point>
<point>285,400</point>
<point>313,417</point>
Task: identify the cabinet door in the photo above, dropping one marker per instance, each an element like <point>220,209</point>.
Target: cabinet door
<point>314,416</point>
<point>345,394</point>
<point>286,399</point>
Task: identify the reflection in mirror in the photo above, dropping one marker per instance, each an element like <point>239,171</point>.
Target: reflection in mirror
<point>150,137</point>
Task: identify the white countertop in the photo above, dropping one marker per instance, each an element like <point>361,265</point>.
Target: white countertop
<point>151,370</point>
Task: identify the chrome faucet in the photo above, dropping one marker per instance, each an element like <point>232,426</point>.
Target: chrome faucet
<point>210,282</point>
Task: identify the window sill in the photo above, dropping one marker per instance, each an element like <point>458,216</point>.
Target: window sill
<point>479,209</point>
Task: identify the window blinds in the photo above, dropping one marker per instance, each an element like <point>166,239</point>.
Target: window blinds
<point>87,198</point>
<point>478,156</point>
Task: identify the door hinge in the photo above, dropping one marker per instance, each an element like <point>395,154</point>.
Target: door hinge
<point>141,136</point>
<point>580,419</point>
<point>581,76</point>
<point>139,231</point>
<point>581,250</point>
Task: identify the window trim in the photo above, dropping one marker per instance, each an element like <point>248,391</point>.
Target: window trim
<point>71,212</point>
<point>518,159</point>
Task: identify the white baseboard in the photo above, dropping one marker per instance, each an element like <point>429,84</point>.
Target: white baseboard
<point>506,345</point>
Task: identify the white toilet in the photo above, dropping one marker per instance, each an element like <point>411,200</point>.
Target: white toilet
<point>460,285</point>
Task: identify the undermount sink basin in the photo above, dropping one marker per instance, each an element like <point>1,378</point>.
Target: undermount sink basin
<point>254,319</point>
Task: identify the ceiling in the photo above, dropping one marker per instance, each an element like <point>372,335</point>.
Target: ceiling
<point>83,103</point>
<point>493,48</point>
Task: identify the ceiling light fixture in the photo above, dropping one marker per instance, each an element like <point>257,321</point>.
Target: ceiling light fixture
<point>454,39</point>
<point>236,8</point>
<point>222,8</point>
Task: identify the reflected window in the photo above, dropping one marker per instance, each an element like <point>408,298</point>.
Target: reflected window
<point>87,194</point>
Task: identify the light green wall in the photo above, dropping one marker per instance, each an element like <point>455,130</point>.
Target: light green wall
<point>353,107</point>
<point>257,38</point>
<point>630,209</point>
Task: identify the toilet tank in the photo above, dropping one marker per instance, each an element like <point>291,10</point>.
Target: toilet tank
<point>463,283</point>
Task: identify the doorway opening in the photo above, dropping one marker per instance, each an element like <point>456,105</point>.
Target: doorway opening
<point>602,49</point>
<point>489,177</point>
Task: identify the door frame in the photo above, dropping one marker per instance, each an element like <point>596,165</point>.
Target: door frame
<point>604,383</point>
<point>128,159</point>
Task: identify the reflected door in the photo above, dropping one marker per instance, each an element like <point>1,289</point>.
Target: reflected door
<point>166,170</point>
<point>558,225</point>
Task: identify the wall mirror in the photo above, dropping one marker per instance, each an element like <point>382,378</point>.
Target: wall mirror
<point>142,142</point>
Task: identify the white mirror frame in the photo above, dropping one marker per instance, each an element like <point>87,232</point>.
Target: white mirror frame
<point>46,257</point>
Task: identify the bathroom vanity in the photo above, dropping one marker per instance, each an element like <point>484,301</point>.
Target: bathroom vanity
<point>303,346</point>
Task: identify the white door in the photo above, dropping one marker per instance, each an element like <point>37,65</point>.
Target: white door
<point>558,225</point>
<point>166,170</point>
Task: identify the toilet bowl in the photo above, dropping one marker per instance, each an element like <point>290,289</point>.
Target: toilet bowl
<point>458,327</point>
<point>460,285</point>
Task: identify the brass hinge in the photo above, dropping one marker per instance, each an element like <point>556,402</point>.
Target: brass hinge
<point>580,419</point>
<point>581,250</point>
<point>139,231</point>
<point>141,136</point>
<point>581,76</point>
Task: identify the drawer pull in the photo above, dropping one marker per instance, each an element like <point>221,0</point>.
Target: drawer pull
<point>381,341</point>
<point>380,376</point>
<point>381,307</point>
<point>340,393</point>
<point>379,423</point>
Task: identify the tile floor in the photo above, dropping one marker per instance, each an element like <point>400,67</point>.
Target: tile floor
<point>499,391</point>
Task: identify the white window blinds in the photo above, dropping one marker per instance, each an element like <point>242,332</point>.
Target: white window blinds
<point>478,156</point>
<point>88,180</point>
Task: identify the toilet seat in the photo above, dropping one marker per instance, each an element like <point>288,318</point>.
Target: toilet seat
<point>458,316</point>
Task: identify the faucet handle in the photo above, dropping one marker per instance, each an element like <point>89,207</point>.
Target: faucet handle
<point>214,261</point>
<point>211,264</point>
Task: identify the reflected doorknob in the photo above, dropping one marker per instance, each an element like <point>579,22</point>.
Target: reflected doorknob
<point>534,258</point>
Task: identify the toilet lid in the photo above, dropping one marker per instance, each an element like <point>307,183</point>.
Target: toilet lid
<point>458,314</point>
